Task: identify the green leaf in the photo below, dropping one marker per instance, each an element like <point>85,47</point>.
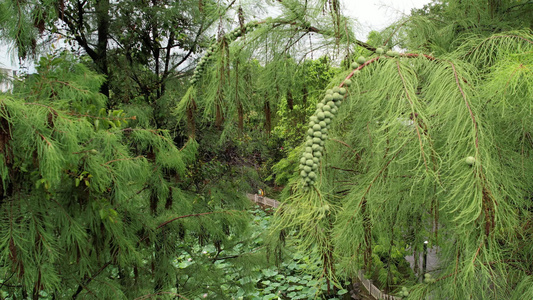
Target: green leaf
<point>102,214</point>
<point>269,272</point>
<point>293,279</point>
<point>342,292</point>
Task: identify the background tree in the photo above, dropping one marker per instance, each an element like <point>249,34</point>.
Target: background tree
<point>137,45</point>
<point>94,204</point>
<point>442,26</point>
<point>255,72</point>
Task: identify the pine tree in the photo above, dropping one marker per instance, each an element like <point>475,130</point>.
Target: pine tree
<point>96,201</point>
<point>142,48</point>
<point>93,204</point>
<point>255,64</point>
<point>421,148</point>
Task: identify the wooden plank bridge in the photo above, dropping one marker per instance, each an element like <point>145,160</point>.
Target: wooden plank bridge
<point>263,201</point>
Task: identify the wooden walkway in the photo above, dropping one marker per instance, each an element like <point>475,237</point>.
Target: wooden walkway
<point>372,289</point>
<point>263,201</point>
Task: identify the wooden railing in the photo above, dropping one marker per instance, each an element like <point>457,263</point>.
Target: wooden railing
<point>373,290</point>
<point>261,200</point>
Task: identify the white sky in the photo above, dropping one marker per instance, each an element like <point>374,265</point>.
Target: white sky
<point>371,15</point>
<point>5,60</point>
<point>378,14</point>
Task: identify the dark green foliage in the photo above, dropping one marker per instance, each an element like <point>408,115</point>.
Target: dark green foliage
<point>92,206</point>
<point>142,48</point>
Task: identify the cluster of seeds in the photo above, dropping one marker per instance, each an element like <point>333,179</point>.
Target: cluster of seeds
<point>428,278</point>
<point>404,292</point>
<point>230,36</point>
<point>318,132</point>
<point>319,125</point>
<point>361,60</point>
<point>393,53</point>
<point>239,31</point>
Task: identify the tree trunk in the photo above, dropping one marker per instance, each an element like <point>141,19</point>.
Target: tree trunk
<point>240,113</point>
<point>268,117</point>
<point>303,116</point>
<point>219,118</point>
<point>102,15</point>
<point>290,100</point>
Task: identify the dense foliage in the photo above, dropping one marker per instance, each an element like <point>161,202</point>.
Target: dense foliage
<point>92,202</point>
<point>425,148</point>
<point>125,157</point>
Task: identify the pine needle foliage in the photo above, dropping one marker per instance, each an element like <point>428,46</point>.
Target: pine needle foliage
<point>253,67</point>
<point>442,26</point>
<point>92,204</point>
<point>427,148</point>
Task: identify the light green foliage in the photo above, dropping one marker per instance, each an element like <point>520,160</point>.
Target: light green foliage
<point>22,26</point>
<point>394,172</point>
<point>442,26</point>
<point>211,52</point>
<point>257,71</point>
<point>284,169</point>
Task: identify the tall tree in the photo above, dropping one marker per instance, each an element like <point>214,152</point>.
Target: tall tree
<point>278,46</point>
<point>147,41</point>
<point>93,204</point>
<point>442,26</point>
<point>417,147</point>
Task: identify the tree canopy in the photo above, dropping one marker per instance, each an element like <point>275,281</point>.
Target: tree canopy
<point>425,146</point>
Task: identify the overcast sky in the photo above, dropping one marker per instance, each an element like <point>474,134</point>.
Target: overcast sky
<point>371,15</point>
<point>378,14</point>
